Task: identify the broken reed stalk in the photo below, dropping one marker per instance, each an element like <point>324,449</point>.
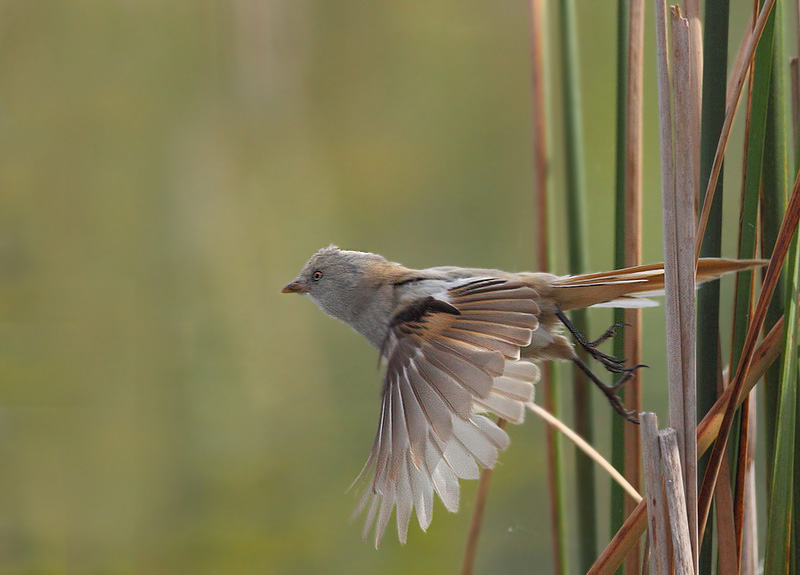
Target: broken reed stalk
<point>708,429</point>
<point>656,522</point>
<point>683,563</point>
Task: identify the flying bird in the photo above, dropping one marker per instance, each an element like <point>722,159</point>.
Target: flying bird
<point>459,343</point>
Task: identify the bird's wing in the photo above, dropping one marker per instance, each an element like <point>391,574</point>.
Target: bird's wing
<point>450,357</point>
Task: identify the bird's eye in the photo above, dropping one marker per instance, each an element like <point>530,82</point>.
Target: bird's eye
<point>316,276</point>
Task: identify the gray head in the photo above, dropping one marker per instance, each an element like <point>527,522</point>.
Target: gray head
<point>339,281</point>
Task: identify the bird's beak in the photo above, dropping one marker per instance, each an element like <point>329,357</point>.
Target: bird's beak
<point>294,287</point>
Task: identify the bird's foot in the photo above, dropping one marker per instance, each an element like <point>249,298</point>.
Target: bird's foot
<point>612,364</point>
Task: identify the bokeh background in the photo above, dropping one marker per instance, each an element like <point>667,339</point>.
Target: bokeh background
<point>165,168</point>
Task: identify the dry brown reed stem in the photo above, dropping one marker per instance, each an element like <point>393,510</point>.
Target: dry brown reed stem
<point>679,270</point>
<point>726,530</point>
<point>692,14</point>
<point>664,108</point>
<point>636,523</point>
<point>586,447</point>
<point>683,563</point>
<point>633,246</point>
<point>784,238</point>
<point>540,163</point>
<point>476,521</point>
<point>651,458</point>
<point>741,477</point>
<point>740,74</point>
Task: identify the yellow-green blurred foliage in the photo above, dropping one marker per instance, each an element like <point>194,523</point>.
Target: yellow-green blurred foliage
<point>165,168</point>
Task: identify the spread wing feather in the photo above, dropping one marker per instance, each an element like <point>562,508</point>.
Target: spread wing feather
<point>450,357</point>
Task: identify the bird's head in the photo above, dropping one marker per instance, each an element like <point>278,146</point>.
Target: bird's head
<point>339,280</point>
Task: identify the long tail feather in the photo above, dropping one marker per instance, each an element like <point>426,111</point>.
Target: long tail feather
<point>627,287</point>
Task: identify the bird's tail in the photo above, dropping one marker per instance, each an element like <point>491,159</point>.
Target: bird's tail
<point>629,287</point>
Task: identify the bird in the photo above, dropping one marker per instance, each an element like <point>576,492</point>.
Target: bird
<point>460,344</point>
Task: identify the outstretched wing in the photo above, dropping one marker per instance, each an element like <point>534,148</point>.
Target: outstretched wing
<point>450,357</point>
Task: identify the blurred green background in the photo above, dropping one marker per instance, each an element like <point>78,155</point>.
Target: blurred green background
<point>165,168</point>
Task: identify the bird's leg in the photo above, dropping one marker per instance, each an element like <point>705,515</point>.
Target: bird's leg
<point>611,363</point>
<point>610,332</point>
<point>610,391</point>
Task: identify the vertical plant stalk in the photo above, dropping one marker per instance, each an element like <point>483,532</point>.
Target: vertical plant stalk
<point>707,432</point>
<point>626,442</point>
<point>784,520</point>
<point>788,227</point>
<point>476,520</point>
<point>779,521</point>
<point>651,457</point>
<point>727,557</point>
<point>544,248</point>
<point>737,79</point>
<point>617,507</point>
<point>773,200</point>
<point>795,76</point>
<point>692,14</point>
<point>667,168</point>
<point>729,519</point>
<point>749,560</point>
<point>795,90</point>
<point>679,274</point>
<point>755,145</point>
<point>743,455</point>
<point>709,374</point>
<point>576,224</point>
<point>633,249</point>
<point>676,502</point>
